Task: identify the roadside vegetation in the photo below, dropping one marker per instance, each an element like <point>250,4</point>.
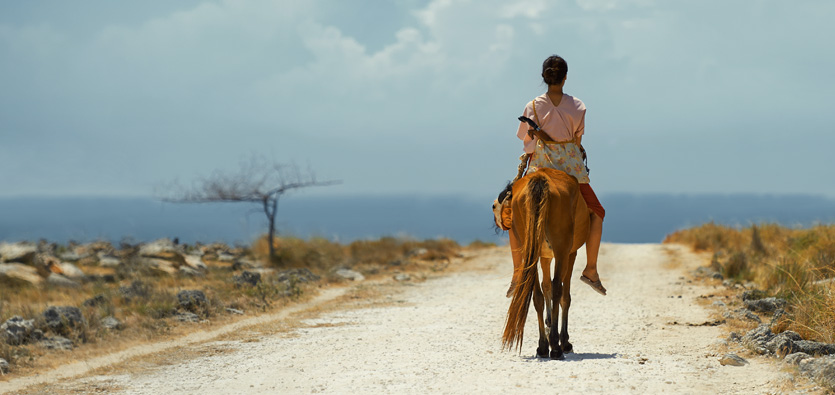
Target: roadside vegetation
<point>794,264</point>
<point>121,296</point>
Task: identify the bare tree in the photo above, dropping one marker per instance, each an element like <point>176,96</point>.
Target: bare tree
<point>257,181</point>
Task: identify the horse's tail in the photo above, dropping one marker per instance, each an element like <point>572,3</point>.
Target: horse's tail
<point>536,203</point>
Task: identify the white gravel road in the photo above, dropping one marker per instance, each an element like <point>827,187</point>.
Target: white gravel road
<point>443,336</point>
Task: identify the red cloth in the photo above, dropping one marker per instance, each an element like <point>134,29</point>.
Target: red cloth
<point>591,200</point>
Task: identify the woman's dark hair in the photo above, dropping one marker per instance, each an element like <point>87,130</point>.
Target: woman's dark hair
<point>554,70</point>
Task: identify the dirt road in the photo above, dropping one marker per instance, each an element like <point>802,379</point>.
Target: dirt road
<point>443,336</point>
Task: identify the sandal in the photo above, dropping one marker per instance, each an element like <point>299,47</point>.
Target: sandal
<point>596,285</point>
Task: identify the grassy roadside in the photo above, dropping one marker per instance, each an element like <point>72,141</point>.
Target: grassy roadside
<point>795,264</point>
<point>150,313</point>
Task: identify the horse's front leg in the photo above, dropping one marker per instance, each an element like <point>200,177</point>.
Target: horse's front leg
<point>545,265</point>
<point>538,299</point>
<point>565,303</point>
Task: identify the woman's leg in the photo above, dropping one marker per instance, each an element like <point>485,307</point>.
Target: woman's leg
<point>593,247</point>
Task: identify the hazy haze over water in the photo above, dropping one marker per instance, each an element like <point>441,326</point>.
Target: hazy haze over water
<point>630,218</point>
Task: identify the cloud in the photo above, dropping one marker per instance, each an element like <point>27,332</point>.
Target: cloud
<point>194,89</point>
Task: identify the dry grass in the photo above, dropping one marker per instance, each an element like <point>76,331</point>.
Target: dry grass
<point>322,254</point>
<point>149,316</point>
<point>795,264</point>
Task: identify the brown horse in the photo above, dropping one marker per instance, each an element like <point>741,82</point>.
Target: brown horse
<point>547,210</point>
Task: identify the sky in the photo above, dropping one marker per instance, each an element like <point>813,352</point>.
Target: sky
<point>416,97</point>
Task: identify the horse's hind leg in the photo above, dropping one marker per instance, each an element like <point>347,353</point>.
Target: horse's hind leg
<point>553,336</point>
<point>545,265</point>
<point>542,350</point>
<point>565,304</point>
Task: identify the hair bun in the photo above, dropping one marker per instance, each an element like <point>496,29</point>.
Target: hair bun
<point>554,70</point>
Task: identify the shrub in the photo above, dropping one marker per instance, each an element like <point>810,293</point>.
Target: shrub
<point>797,264</point>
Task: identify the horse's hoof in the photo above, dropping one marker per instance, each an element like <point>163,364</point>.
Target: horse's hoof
<point>542,353</point>
<point>567,348</point>
<point>557,354</point>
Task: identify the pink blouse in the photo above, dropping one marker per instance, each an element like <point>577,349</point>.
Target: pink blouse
<point>565,121</point>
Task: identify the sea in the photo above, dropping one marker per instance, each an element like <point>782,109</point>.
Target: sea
<point>630,218</point>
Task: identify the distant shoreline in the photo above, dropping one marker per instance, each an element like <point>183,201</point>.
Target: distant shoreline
<point>630,218</point>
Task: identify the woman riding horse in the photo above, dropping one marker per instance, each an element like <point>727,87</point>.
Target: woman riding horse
<point>562,118</point>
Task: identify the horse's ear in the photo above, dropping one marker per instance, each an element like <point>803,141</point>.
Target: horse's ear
<point>505,192</point>
<point>503,195</point>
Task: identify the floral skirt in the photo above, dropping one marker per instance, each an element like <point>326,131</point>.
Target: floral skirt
<point>563,155</point>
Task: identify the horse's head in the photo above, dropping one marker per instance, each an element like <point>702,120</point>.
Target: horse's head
<point>497,215</point>
<point>504,196</point>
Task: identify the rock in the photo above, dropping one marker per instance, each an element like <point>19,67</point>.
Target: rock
<point>19,274</point>
<point>189,272</point>
<point>417,252</point>
<point>234,311</point>
<point>717,276</point>
<point>192,300</point>
<point>732,360</point>
<point>822,370</point>
<point>63,319</point>
<point>58,280</point>
<point>734,337</point>
<point>742,314</point>
<point>195,262</point>
<point>815,348</point>
<point>790,342</point>
<point>96,247</point>
<point>402,277</point>
<point>16,331</point>
<point>767,305</point>
<point>187,317</point>
<point>719,303</point>
<point>4,366</point>
<point>161,265</point>
<point>753,294</point>
<point>110,322</point>
<point>95,301</point>
<point>158,248</point>
<point>136,289</point>
<point>56,343</point>
<point>349,274</point>
<point>242,264</point>
<point>224,257</point>
<point>303,275</point>
<point>264,271</point>
<point>109,261</point>
<point>796,358</point>
<point>783,343</point>
<point>17,252</point>
<point>757,338</point>
<point>247,277</point>
<point>46,247</point>
<point>71,271</point>
<point>71,256</point>
<point>779,313</point>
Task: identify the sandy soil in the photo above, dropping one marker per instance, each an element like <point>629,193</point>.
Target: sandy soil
<point>443,336</point>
